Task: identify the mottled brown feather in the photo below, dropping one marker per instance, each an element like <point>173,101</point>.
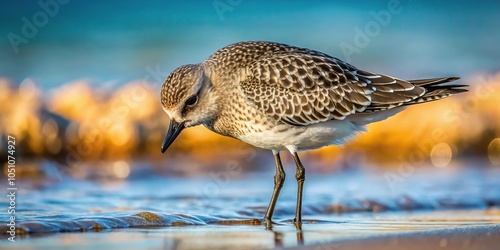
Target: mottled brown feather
<point>302,87</point>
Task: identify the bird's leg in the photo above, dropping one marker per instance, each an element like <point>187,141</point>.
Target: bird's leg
<point>279,179</point>
<point>300,175</point>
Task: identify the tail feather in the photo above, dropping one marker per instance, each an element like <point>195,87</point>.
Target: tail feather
<point>435,89</point>
<point>433,81</point>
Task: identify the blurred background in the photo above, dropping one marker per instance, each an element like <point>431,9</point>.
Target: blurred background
<point>80,80</point>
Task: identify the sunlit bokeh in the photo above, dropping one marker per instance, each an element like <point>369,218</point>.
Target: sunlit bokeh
<point>82,121</point>
<point>494,151</point>
<point>121,169</point>
<point>441,154</point>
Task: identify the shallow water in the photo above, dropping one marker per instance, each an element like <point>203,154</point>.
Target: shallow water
<point>242,236</point>
<point>224,210</point>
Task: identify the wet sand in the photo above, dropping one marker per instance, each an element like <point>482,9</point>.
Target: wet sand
<point>456,238</point>
<point>445,208</point>
<point>455,229</point>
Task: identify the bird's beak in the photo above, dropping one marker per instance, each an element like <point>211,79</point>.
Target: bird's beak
<point>174,130</point>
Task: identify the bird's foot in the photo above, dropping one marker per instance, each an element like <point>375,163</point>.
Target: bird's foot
<point>297,223</point>
<point>268,223</point>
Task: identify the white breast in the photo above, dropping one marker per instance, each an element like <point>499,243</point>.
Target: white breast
<point>303,138</point>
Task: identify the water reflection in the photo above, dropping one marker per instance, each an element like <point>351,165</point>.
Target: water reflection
<point>250,235</point>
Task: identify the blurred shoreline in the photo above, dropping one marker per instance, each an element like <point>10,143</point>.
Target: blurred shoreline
<point>78,122</point>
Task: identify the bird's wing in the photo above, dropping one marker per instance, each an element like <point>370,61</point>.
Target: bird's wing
<point>304,87</point>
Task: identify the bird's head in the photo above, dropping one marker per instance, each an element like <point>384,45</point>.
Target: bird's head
<point>188,99</point>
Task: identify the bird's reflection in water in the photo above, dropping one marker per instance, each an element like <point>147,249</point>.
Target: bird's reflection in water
<point>278,239</point>
<point>300,237</point>
<point>278,236</point>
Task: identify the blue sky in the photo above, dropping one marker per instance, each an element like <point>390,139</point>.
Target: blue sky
<point>119,40</point>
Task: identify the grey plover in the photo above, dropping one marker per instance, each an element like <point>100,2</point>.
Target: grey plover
<point>280,97</point>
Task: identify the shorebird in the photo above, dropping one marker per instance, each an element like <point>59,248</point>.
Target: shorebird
<point>280,97</point>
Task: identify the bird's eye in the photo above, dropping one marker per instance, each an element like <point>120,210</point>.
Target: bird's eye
<point>191,101</point>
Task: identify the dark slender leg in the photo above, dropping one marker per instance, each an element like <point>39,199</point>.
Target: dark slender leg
<point>300,175</point>
<point>279,179</point>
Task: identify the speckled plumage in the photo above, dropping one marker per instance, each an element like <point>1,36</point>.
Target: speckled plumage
<point>280,97</point>
<point>263,85</point>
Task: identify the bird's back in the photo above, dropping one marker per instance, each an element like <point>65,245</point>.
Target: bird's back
<point>301,87</point>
